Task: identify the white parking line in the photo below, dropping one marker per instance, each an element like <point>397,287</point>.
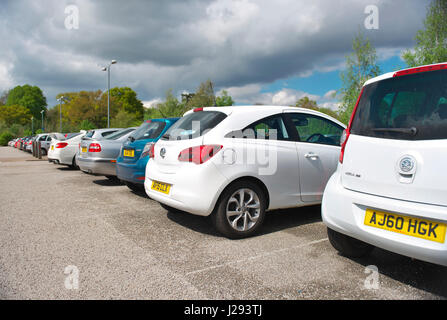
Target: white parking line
<point>257,256</point>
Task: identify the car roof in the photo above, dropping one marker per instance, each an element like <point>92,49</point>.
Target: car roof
<point>393,74</point>
<point>265,111</point>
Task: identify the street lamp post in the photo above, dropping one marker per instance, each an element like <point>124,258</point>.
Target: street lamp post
<point>32,125</point>
<point>108,90</point>
<point>41,112</point>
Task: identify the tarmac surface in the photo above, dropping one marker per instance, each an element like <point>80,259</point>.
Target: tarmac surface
<point>68,235</point>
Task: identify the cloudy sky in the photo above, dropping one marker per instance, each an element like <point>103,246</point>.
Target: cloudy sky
<point>261,51</point>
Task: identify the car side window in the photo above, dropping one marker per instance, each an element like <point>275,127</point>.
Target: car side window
<point>48,138</point>
<point>315,129</point>
<point>42,138</point>
<point>272,128</point>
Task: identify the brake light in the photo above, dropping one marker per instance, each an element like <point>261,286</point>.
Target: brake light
<point>198,109</point>
<point>434,67</point>
<point>199,154</point>
<point>148,150</point>
<point>61,145</point>
<point>347,132</point>
<point>94,147</point>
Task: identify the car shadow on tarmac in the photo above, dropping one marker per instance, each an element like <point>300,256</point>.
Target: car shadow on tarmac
<point>105,182</point>
<point>275,221</point>
<point>418,274</point>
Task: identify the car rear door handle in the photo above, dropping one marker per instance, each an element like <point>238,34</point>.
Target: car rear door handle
<point>311,156</point>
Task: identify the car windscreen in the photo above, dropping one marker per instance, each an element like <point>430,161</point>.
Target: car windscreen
<point>194,125</point>
<point>149,130</point>
<point>408,107</point>
<point>90,134</point>
<point>120,133</point>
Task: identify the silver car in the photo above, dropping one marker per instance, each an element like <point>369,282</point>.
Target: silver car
<point>98,156</point>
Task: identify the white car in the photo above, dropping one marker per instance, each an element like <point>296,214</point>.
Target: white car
<point>235,163</point>
<point>64,151</point>
<point>390,189</point>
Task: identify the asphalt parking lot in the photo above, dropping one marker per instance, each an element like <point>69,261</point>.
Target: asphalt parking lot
<point>123,245</point>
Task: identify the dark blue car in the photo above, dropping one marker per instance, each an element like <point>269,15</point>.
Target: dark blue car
<point>131,163</point>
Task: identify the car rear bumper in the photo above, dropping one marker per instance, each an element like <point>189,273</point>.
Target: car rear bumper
<point>194,189</point>
<point>105,167</point>
<point>344,211</point>
<point>132,172</point>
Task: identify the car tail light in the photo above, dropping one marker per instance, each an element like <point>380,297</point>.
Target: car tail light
<point>347,132</point>
<point>148,150</point>
<point>94,147</point>
<point>433,67</point>
<point>60,145</point>
<point>199,154</point>
<point>198,109</point>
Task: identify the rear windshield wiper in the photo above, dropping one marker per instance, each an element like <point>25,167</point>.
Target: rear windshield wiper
<point>412,131</point>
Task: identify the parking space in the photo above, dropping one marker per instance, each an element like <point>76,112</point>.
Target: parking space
<point>124,245</point>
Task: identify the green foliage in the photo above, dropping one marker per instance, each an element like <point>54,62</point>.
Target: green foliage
<point>127,101</point>
<point>224,100</point>
<point>39,131</point>
<point>86,125</point>
<point>91,106</point>
<point>125,120</point>
<point>307,103</point>
<point>30,97</point>
<point>170,108</point>
<point>361,65</point>
<point>204,96</point>
<point>5,137</point>
<point>15,114</point>
<point>431,43</point>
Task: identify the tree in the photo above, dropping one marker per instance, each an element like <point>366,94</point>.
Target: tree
<point>431,43</point>
<point>224,99</point>
<point>204,96</point>
<point>27,96</point>
<point>126,100</point>
<point>171,107</point>
<point>15,115</point>
<point>361,65</point>
<point>305,102</point>
<point>125,120</point>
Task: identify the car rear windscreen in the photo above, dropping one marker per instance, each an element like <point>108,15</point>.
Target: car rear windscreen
<point>149,130</point>
<point>194,125</point>
<point>119,134</point>
<point>409,107</point>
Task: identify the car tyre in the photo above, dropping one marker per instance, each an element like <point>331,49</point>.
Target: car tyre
<point>236,219</point>
<point>348,246</point>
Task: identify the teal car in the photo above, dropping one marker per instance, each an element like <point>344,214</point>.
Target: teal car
<point>134,154</point>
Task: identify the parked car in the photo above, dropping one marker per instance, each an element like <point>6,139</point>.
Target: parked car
<point>64,151</point>
<point>389,190</point>
<point>98,157</point>
<point>98,134</point>
<point>235,163</point>
<point>133,157</point>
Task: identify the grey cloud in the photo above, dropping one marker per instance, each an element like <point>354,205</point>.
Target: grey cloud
<point>178,44</point>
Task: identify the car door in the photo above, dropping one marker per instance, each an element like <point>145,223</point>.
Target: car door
<point>318,148</point>
<point>271,137</point>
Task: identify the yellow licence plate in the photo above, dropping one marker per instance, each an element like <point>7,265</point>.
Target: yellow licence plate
<point>84,149</point>
<point>129,153</point>
<point>52,147</point>
<point>161,187</point>
<point>425,229</point>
